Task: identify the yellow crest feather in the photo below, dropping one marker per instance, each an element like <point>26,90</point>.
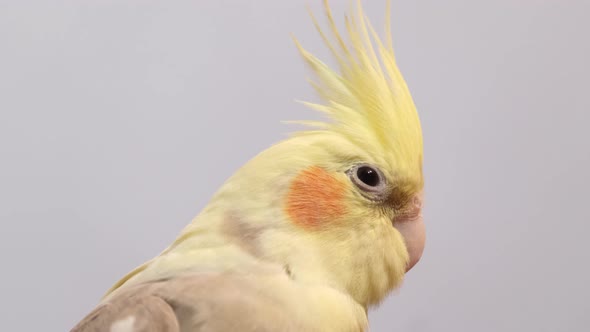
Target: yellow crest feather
<point>368,98</point>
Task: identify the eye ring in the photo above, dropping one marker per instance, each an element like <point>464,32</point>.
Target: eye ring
<point>369,180</point>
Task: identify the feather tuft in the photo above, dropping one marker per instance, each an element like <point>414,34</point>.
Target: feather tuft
<point>367,98</point>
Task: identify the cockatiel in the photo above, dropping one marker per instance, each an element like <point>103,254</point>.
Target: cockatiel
<point>311,232</point>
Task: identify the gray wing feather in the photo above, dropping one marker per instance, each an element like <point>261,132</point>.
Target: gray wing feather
<point>140,313</point>
<point>195,304</point>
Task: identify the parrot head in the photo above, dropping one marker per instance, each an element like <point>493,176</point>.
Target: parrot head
<point>337,204</point>
<point>341,201</point>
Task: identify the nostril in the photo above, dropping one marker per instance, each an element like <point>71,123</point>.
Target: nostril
<point>412,210</point>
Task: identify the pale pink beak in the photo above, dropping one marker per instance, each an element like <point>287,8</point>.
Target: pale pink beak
<point>411,226</point>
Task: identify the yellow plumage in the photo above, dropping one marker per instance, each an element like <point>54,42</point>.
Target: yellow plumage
<point>368,98</point>
<point>306,215</point>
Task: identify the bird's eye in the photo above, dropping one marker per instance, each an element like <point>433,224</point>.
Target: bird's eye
<point>369,180</point>
<point>368,176</point>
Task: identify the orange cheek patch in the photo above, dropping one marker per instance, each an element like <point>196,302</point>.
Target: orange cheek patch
<point>315,198</point>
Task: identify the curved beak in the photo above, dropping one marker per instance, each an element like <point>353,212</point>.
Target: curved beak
<point>411,225</point>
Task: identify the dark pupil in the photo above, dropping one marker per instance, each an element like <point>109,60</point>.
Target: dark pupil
<point>368,175</point>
